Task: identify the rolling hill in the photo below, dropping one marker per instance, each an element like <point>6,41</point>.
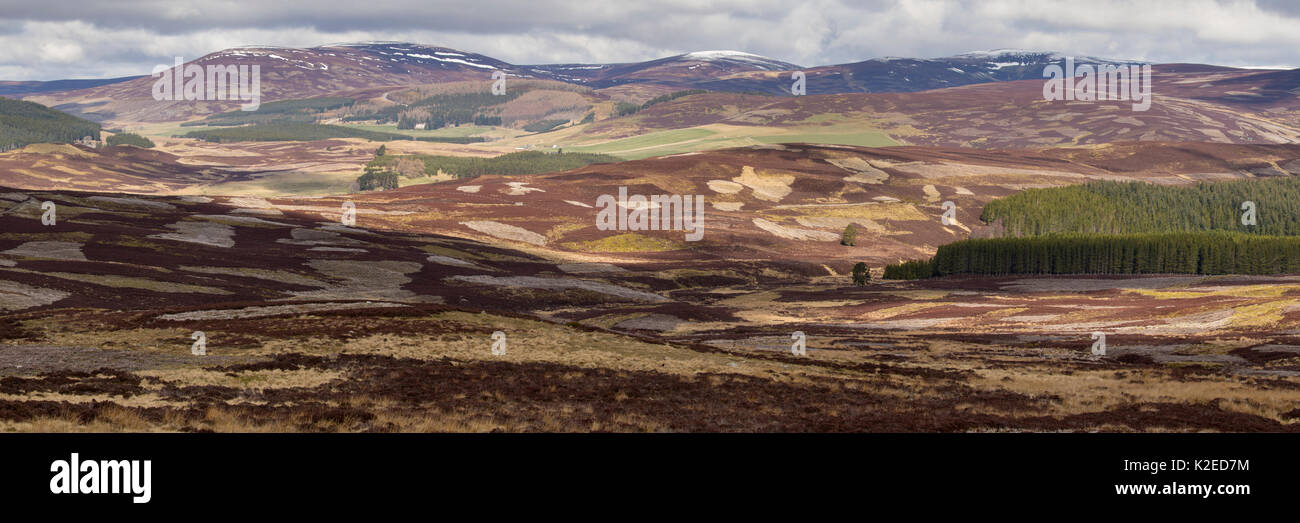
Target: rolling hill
<point>23,123</point>
<point>365,70</point>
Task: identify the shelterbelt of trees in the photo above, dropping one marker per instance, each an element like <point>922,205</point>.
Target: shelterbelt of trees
<point>1214,252</point>
<point>1241,227</point>
<point>24,123</point>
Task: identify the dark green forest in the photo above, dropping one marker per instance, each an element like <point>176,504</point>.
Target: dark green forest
<point>1137,207</point>
<point>542,126</point>
<point>129,139</point>
<point>1214,252</point>
<point>1131,228</point>
<point>23,123</point>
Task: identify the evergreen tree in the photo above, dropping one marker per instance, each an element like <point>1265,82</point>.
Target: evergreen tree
<point>861,275</point>
<point>850,235</point>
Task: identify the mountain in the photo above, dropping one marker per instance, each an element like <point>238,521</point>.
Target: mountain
<point>1190,103</point>
<point>369,68</point>
<point>374,69</point>
<point>734,71</point>
<point>905,75</point>
<point>685,70</point>
<point>18,89</point>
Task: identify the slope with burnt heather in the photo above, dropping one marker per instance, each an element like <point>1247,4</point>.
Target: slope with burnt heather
<point>120,169</point>
<point>789,204</point>
<point>310,325</point>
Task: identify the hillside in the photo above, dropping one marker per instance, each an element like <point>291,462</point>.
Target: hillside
<point>791,202</point>
<point>311,325</point>
<point>289,74</point>
<point>23,123</point>
<point>1190,104</point>
<point>368,70</point>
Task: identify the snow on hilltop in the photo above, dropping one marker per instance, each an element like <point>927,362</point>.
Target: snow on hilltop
<point>762,62</point>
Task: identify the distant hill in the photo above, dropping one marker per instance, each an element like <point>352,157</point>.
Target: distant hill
<point>687,70</point>
<point>23,123</point>
<point>371,69</point>
<point>17,89</point>
<point>339,70</point>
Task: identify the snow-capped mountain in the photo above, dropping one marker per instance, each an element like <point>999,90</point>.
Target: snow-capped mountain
<point>738,59</point>
<point>349,69</point>
<point>921,74</point>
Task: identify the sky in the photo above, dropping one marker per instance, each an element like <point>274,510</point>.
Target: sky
<point>56,39</point>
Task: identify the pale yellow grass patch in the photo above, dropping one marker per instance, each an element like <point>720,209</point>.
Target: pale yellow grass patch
<point>765,186</point>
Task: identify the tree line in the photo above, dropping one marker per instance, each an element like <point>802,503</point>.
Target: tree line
<point>1209,252</point>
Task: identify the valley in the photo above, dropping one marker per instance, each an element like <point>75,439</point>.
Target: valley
<point>343,259</point>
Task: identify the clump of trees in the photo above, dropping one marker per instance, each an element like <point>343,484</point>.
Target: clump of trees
<point>849,236</point>
<point>129,139</point>
<point>542,126</point>
<point>625,108</point>
<point>909,270</point>
<point>377,177</point>
<point>861,274</point>
<point>443,110</point>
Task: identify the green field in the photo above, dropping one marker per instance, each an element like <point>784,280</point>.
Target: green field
<point>646,145</point>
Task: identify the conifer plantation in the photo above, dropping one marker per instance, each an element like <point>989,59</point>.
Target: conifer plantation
<point>1139,207</point>
<point>1131,228</point>
<point>23,123</point>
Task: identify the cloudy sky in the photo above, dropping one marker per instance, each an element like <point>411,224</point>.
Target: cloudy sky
<point>52,39</point>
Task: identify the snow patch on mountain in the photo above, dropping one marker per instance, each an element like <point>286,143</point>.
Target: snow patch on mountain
<point>762,62</point>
